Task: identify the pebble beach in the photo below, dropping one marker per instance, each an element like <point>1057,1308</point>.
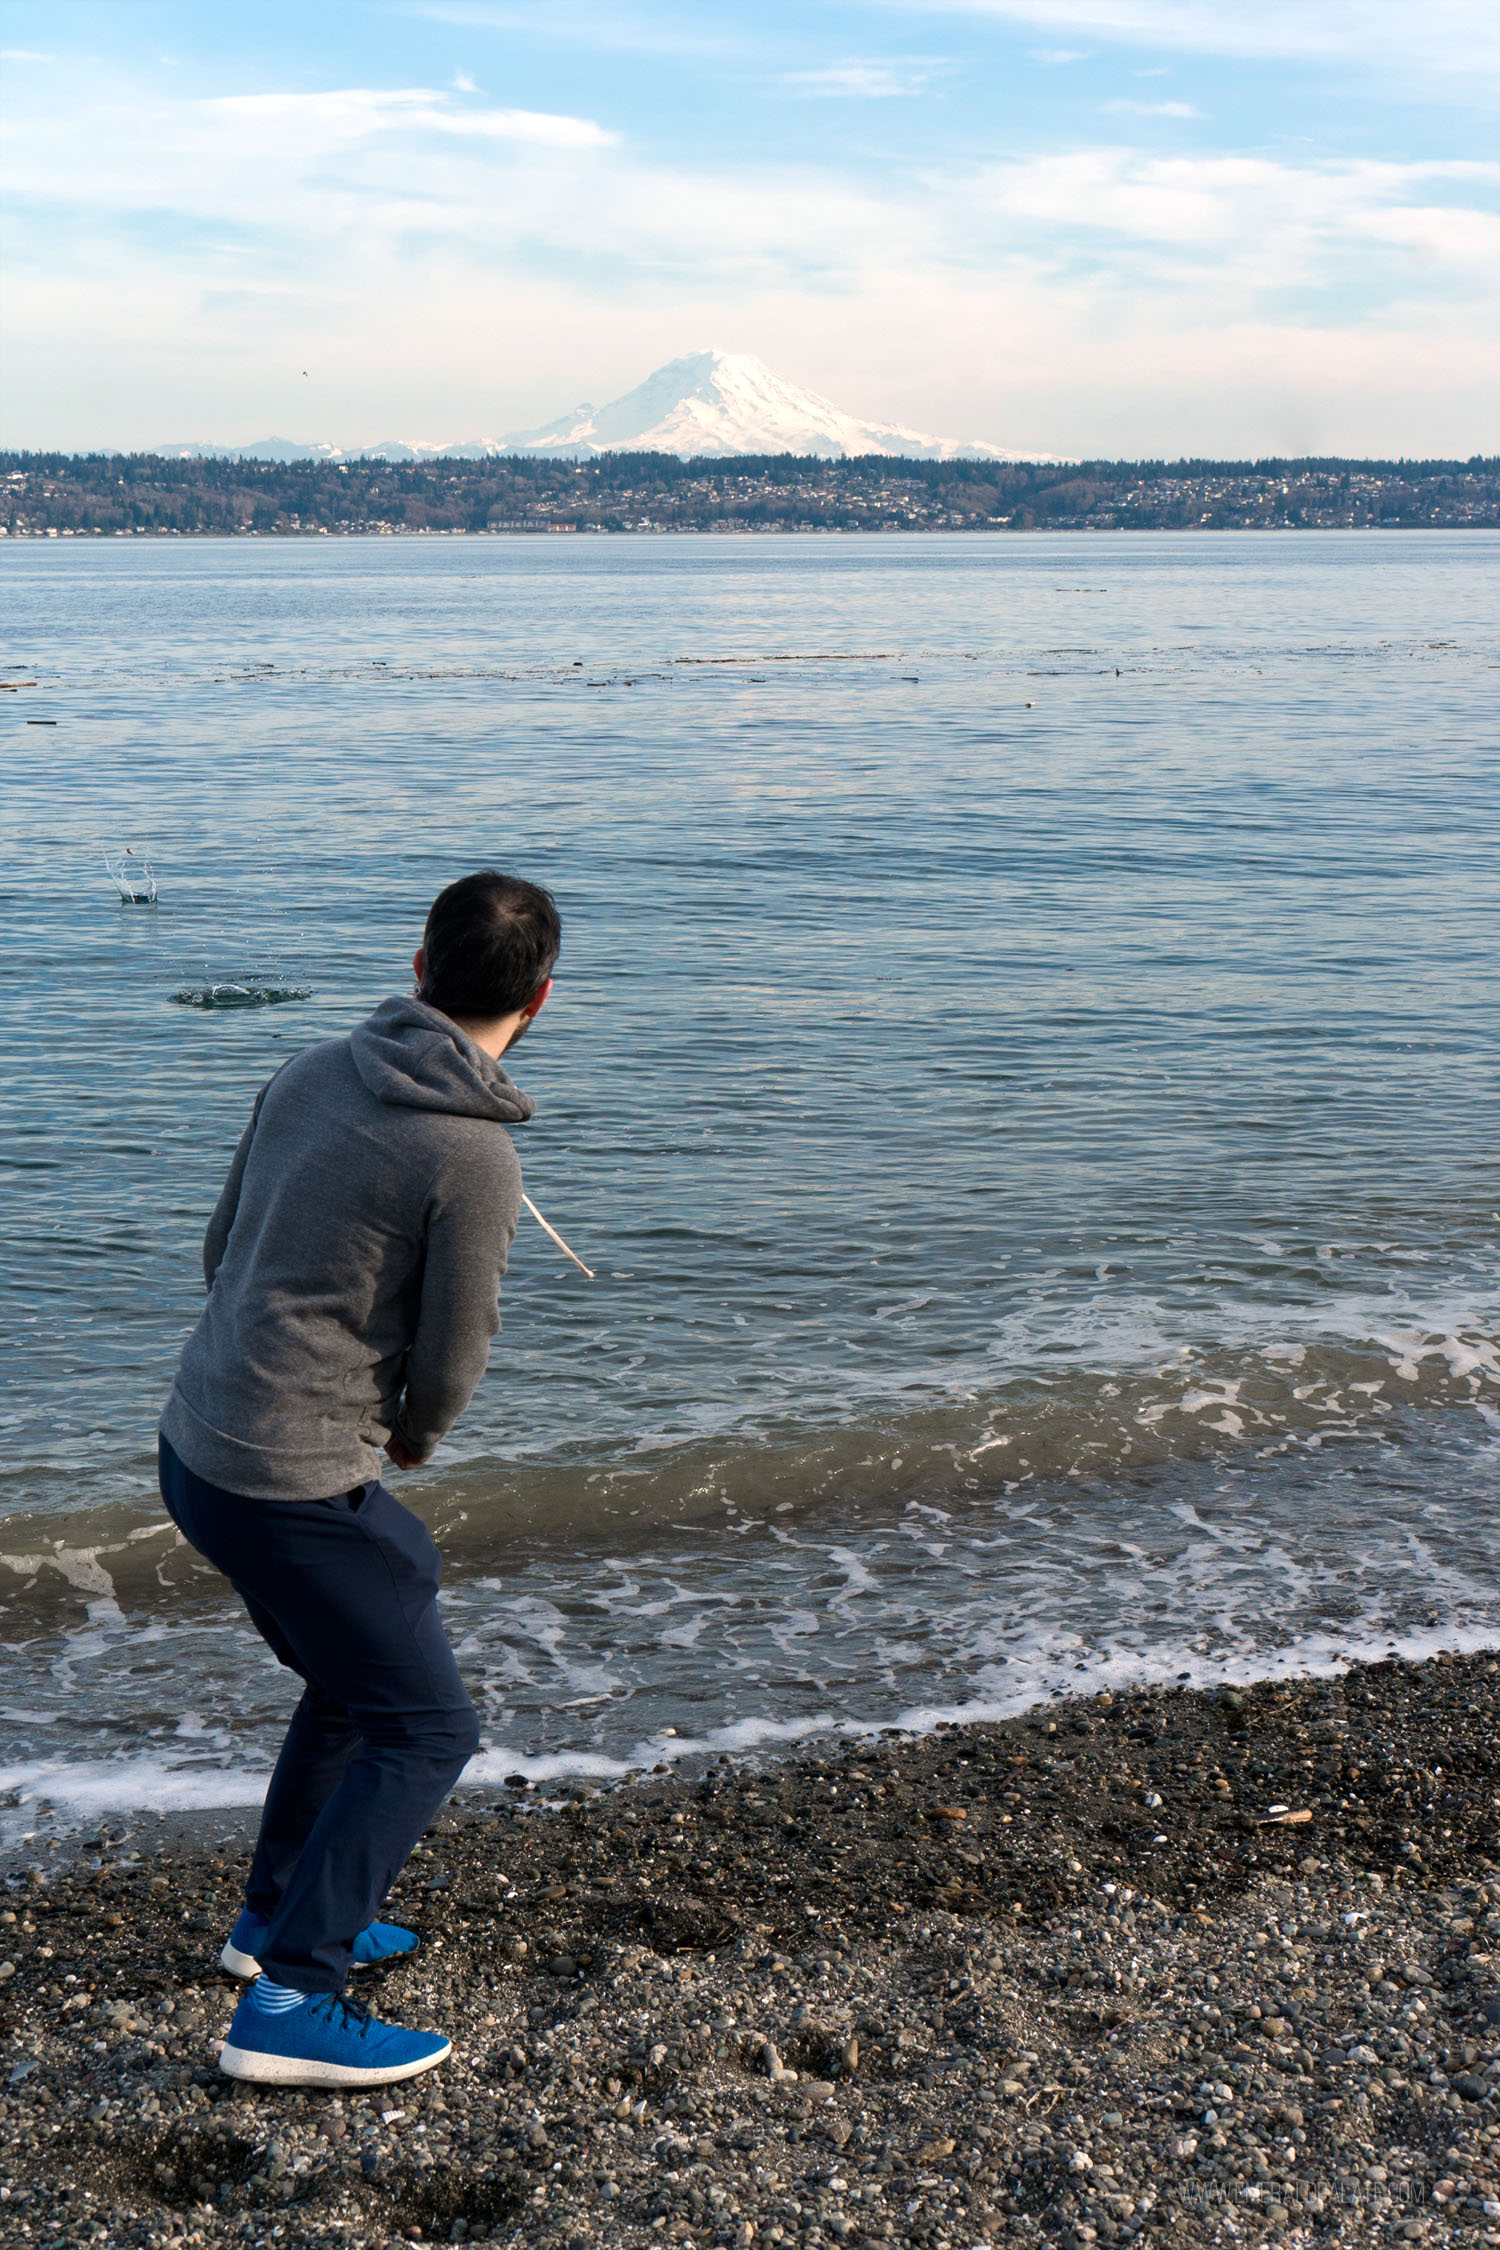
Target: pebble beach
<point>1187,1966</point>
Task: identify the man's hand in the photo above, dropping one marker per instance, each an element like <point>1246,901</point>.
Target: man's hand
<point>402,1454</point>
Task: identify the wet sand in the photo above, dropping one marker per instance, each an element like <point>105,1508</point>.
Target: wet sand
<point>1070,1978</point>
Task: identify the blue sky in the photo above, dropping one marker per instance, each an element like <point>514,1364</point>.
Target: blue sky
<point>1087,226</point>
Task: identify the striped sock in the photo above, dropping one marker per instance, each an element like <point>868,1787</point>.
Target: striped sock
<point>274,1999</point>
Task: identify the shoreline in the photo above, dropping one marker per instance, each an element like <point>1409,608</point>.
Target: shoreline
<point>1060,1977</point>
<point>725,530</point>
<point>70,1827</point>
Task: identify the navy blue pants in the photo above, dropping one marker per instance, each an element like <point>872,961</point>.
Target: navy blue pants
<point>344,1592</point>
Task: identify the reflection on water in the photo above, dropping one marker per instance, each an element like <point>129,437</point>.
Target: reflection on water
<point>1034,1098</point>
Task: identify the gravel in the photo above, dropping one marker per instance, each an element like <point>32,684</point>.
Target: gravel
<point>1069,1977</point>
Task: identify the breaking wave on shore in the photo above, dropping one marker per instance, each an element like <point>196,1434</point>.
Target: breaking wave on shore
<point>668,1634</point>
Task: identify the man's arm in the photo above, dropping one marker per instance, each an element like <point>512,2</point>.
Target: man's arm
<point>216,1239</point>
<point>469,1234</point>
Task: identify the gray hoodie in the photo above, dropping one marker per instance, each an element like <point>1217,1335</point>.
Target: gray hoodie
<point>353,1260</point>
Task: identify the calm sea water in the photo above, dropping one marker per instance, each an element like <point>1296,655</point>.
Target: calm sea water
<point>1022,1065</point>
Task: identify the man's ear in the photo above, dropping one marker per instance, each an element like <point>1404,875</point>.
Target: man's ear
<point>537,1002</point>
<point>418,965</point>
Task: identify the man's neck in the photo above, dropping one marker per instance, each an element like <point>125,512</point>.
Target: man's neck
<point>494,1038</point>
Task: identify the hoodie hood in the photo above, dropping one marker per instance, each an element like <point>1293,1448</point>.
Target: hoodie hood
<point>414,1057</point>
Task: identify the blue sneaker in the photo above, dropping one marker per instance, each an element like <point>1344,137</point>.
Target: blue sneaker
<point>284,2038</point>
<point>382,1941</point>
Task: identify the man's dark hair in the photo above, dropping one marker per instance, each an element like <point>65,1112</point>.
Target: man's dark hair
<point>489,946</point>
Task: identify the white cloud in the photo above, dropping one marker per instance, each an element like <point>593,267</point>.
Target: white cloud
<point>872,79</point>
<point>175,265</point>
<point>372,175</point>
<point>1453,38</point>
<point>1153,109</point>
<point>332,120</point>
<point>593,26</point>
<point>1266,225</point>
<point>23,55</point>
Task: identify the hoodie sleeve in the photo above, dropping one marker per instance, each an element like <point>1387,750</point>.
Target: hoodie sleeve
<point>471,1224</point>
<point>216,1238</point>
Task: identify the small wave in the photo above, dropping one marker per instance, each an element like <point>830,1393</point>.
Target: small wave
<point>1077,1430</point>
<point>760,1633</point>
<point>1074,1435</point>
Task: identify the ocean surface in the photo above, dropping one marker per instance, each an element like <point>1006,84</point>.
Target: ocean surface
<point>1022,1066</point>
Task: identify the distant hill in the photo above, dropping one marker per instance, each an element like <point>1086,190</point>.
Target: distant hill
<point>708,405</point>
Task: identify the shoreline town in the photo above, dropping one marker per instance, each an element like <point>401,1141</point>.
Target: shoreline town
<point>124,495</point>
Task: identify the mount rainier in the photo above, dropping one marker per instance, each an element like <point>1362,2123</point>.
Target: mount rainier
<point>708,404</point>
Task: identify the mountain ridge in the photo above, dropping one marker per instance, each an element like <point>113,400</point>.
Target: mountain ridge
<point>705,405</point>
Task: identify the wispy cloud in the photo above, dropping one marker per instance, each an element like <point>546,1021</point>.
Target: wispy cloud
<point>1251,228</point>
<point>199,253</point>
<point>871,79</point>
<point>1453,38</point>
<point>24,55</point>
<point>376,176</point>
<point>589,25</point>
<point>360,113</point>
<point>1152,109</point>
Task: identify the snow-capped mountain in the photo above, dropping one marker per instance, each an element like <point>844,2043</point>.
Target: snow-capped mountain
<point>294,449</point>
<point>730,402</point>
<point>709,403</point>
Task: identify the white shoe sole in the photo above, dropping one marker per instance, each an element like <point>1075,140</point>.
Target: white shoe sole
<point>286,2070</point>
<point>245,1964</point>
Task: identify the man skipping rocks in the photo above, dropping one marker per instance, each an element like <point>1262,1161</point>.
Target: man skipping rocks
<point>353,1264</point>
